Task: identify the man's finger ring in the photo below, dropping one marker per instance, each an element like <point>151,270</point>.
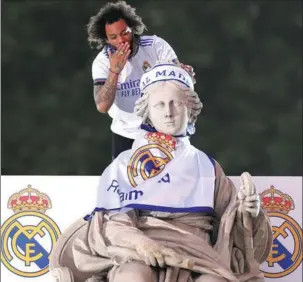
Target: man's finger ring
<point>121,53</point>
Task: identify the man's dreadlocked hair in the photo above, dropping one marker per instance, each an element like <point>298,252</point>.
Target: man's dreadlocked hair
<point>111,13</point>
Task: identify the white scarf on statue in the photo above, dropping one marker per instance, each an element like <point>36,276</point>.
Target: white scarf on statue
<point>159,173</point>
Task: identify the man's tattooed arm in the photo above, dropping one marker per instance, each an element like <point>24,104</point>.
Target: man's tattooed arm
<point>105,94</point>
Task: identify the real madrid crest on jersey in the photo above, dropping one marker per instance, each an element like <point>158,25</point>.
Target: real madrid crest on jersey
<point>149,160</point>
<point>286,252</point>
<point>29,235</point>
<point>146,66</point>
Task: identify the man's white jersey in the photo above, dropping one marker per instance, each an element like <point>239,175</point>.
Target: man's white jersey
<point>149,50</point>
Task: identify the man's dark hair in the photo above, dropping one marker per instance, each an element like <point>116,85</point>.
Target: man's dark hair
<point>110,13</point>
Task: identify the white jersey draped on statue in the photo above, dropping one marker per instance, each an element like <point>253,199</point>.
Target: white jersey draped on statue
<point>149,50</point>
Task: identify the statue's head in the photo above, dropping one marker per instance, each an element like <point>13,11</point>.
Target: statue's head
<point>165,90</point>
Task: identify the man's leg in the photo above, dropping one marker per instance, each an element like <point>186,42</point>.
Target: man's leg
<point>120,144</point>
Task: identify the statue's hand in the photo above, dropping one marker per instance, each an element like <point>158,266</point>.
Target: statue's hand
<point>154,254</point>
<point>248,196</point>
<point>190,71</point>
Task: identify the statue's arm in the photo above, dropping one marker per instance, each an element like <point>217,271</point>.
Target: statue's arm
<point>225,193</point>
<point>121,228</point>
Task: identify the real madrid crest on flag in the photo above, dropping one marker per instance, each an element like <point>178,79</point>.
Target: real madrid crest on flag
<point>286,252</point>
<point>149,160</point>
<point>29,235</point>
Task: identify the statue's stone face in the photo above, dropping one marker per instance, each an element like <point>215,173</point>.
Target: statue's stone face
<point>167,108</point>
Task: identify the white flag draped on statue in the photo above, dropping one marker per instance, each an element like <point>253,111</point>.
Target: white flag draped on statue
<point>170,164</point>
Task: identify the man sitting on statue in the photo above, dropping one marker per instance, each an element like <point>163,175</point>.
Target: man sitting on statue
<point>166,211</point>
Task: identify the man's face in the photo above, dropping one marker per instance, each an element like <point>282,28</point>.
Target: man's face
<point>117,33</point>
<point>167,109</point>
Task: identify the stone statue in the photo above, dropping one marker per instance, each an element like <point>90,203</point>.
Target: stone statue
<point>166,212</point>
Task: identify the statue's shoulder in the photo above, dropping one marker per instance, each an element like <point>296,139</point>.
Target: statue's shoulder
<point>207,160</point>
